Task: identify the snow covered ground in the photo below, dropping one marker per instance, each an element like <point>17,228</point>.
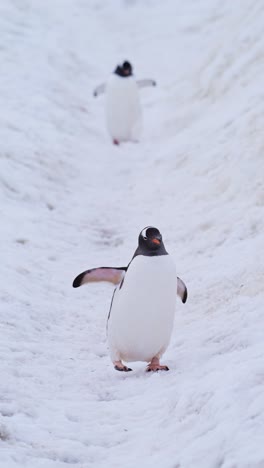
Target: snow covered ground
<point>70,200</point>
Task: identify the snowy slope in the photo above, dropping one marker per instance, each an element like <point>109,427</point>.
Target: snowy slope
<point>70,200</point>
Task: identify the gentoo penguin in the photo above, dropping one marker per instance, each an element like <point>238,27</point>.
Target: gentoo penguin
<point>122,107</point>
<point>141,315</point>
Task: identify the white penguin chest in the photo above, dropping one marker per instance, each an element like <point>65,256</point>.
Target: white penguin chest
<point>123,112</point>
<point>142,314</point>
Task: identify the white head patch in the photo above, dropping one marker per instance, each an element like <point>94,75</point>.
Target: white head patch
<point>144,232</point>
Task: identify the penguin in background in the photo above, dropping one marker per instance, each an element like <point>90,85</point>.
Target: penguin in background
<point>122,104</point>
<point>141,316</point>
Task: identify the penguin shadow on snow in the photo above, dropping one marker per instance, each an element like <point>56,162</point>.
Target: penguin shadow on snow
<point>141,315</point>
<point>122,103</point>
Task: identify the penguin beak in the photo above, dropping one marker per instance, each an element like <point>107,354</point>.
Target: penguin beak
<point>156,241</point>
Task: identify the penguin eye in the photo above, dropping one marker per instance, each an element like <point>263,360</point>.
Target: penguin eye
<point>145,238</point>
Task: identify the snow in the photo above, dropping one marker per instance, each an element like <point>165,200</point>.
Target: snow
<point>70,200</point>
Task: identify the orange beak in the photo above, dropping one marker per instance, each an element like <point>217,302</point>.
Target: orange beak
<point>156,241</point>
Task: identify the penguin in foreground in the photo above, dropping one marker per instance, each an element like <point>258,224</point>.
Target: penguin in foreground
<point>123,111</point>
<point>141,315</point>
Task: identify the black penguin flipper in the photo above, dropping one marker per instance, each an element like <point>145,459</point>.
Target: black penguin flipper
<point>99,90</point>
<point>146,83</point>
<point>110,274</point>
<point>182,290</point>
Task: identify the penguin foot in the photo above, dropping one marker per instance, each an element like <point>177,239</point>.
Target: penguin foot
<point>116,142</point>
<point>118,365</point>
<point>155,366</point>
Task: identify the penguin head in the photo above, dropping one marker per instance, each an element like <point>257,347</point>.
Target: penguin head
<point>124,70</point>
<point>127,68</point>
<point>150,239</point>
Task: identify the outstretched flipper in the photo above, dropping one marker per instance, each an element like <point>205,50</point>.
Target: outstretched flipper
<point>182,290</point>
<point>112,275</point>
<point>145,83</point>
<point>99,90</point>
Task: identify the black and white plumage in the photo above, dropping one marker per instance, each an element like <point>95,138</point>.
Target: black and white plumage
<point>142,311</point>
<point>122,107</point>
